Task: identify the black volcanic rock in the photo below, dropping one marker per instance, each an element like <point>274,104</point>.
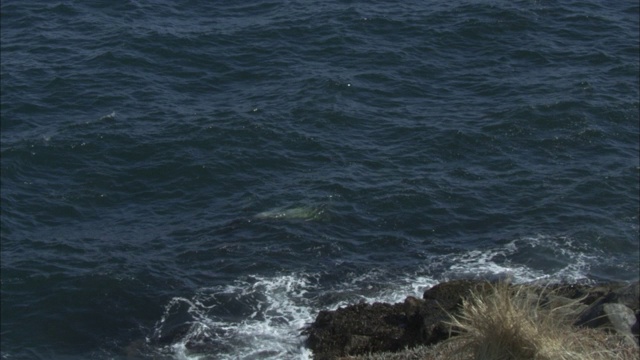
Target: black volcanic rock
<point>378,327</point>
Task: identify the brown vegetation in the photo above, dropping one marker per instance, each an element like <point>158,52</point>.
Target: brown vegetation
<point>513,323</point>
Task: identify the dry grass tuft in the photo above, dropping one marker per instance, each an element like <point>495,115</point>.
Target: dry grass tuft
<point>508,322</point>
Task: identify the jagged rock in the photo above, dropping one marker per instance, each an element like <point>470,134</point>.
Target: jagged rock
<point>594,315</point>
<point>616,308</point>
<point>450,294</point>
<point>364,328</point>
<point>357,329</point>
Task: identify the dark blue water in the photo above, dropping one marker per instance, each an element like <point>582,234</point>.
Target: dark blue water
<point>197,179</point>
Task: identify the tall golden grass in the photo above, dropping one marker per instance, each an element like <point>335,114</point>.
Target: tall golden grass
<point>509,323</point>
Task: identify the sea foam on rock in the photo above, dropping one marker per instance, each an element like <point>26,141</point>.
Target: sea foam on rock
<point>371,328</point>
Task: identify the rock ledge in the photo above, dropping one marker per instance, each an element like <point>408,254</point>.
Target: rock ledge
<point>370,328</point>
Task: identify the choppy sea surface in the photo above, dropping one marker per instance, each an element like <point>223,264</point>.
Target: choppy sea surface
<point>198,179</point>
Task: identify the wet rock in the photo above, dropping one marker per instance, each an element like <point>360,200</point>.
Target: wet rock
<point>357,329</point>
<point>450,294</point>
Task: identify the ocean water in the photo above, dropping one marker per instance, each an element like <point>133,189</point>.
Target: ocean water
<point>198,179</point>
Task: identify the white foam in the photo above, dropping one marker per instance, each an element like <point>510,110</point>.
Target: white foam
<point>482,264</point>
<point>510,261</point>
<point>278,311</point>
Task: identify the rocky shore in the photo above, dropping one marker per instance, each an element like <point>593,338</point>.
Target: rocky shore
<point>362,329</point>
